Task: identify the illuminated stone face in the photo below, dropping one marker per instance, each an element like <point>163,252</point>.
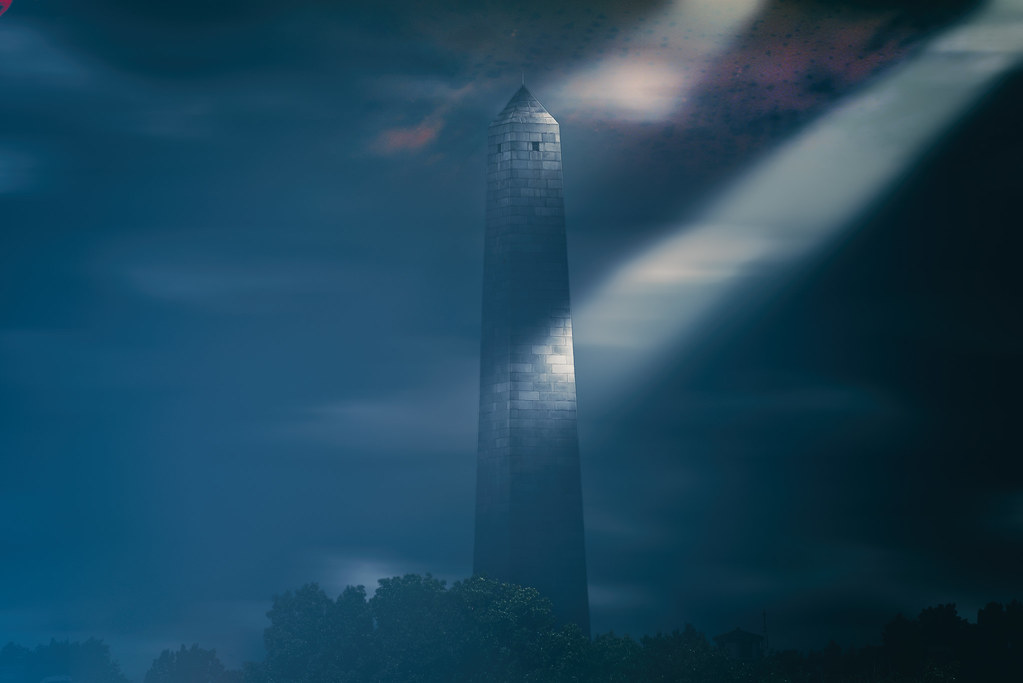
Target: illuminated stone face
<point>529,527</point>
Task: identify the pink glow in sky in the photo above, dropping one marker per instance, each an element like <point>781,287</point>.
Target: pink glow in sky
<point>413,138</point>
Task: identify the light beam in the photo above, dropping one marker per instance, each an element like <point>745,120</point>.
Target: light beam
<point>786,211</point>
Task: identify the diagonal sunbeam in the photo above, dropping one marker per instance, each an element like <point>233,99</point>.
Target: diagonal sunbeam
<point>787,210</point>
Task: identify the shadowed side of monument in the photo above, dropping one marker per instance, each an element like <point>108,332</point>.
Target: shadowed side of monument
<point>529,523</point>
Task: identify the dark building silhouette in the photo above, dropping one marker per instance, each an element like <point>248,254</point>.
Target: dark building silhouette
<point>741,644</point>
<point>529,524</point>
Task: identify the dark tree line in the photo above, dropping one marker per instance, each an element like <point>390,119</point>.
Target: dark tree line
<point>416,629</point>
<point>89,662</point>
<point>938,645</point>
<point>192,665</point>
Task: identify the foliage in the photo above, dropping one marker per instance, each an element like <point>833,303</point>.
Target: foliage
<point>313,638</point>
<point>194,665</point>
<point>937,646</point>
<point>81,662</point>
<point>416,629</point>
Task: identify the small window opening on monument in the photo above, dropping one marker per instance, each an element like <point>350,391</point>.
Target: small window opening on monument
<point>499,147</point>
<point>536,146</point>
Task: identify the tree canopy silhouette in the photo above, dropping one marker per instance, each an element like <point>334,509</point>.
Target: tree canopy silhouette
<point>81,662</point>
<point>417,629</point>
<point>194,665</point>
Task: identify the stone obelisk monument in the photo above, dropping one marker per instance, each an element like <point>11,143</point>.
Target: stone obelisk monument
<point>529,520</point>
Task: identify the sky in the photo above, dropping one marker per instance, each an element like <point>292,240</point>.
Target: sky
<point>240,279</point>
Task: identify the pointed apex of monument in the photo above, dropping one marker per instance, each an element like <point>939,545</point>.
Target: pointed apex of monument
<point>524,107</point>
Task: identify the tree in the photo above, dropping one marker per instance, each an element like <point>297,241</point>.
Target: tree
<point>194,665</point>
<point>417,633</point>
<point>903,645</point>
<point>614,659</point>
<point>312,638</point>
<point>509,632</point>
<point>82,662</point>
<point>687,657</point>
<point>417,629</point>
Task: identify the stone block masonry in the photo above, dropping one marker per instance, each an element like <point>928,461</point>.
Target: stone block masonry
<point>529,525</point>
